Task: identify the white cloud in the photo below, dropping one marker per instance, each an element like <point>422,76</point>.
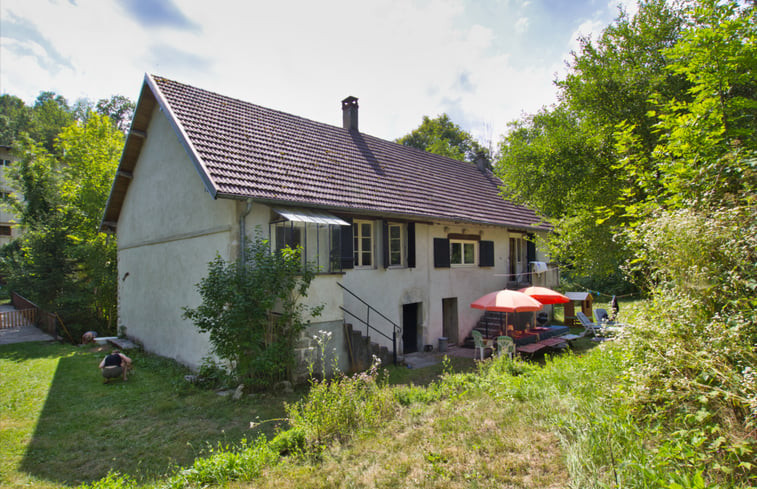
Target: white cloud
<point>521,25</point>
<point>402,58</point>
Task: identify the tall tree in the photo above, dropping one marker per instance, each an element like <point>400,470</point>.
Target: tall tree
<point>571,150</point>
<point>51,113</point>
<point>15,118</point>
<point>62,261</point>
<point>443,137</point>
<point>119,109</point>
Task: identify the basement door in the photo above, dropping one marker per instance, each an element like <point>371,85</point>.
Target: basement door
<point>410,314</point>
<point>449,320</point>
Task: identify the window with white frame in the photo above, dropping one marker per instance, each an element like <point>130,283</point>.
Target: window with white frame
<point>362,234</point>
<point>462,253</point>
<point>396,243</point>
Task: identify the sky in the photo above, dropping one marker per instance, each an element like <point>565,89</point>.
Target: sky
<point>483,62</point>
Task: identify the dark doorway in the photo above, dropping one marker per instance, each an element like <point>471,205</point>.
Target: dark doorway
<point>449,320</point>
<point>410,327</point>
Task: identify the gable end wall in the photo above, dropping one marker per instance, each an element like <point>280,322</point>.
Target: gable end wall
<point>168,230</point>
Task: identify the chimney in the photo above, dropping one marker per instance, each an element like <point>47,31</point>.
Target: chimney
<point>482,162</point>
<point>349,113</point>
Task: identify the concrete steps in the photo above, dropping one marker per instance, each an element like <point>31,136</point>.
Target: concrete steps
<point>361,350</point>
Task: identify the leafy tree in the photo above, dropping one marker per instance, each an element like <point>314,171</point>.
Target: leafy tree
<point>612,79</point>
<point>593,155</point>
<point>250,308</point>
<point>708,137</point>
<point>119,109</point>
<point>51,113</point>
<point>15,118</point>
<point>61,261</point>
<point>36,264</point>
<point>443,137</point>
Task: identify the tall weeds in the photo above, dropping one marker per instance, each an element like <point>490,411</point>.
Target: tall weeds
<point>336,409</point>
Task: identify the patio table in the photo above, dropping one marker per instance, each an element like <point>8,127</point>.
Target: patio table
<point>552,342</point>
<point>530,348</point>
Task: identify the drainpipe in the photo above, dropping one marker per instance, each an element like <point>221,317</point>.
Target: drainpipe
<point>242,231</point>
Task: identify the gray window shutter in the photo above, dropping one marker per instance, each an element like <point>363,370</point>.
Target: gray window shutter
<point>347,256</point>
<point>530,249</point>
<point>441,253</point>
<point>385,243</point>
<point>486,253</point>
<point>411,245</point>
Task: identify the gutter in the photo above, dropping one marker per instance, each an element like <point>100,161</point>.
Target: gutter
<point>243,231</point>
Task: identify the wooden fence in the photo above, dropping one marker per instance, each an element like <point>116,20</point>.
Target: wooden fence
<point>15,319</point>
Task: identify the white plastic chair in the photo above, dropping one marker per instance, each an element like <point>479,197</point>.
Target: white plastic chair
<point>505,345</point>
<point>478,341</point>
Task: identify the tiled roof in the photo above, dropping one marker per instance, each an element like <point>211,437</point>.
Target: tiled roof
<point>249,151</point>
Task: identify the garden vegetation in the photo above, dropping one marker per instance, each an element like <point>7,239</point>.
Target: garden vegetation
<point>648,169</point>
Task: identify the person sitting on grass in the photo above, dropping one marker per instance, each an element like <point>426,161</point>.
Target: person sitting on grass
<point>88,337</point>
<point>115,364</point>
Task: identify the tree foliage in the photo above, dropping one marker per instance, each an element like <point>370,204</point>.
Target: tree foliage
<point>443,137</point>
<point>250,308</point>
<point>658,111</point>
<point>61,261</point>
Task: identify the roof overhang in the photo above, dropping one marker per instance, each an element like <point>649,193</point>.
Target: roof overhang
<point>149,97</point>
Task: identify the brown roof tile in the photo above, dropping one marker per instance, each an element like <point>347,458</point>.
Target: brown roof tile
<point>249,151</point>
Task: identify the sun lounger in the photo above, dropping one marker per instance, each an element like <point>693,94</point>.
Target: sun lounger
<point>593,328</point>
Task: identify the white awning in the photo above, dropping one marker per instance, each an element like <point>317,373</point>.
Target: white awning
<point>309,215</point>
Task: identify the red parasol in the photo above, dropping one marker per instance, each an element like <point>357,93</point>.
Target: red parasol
<point>545,295</point>
<point>506,301</point>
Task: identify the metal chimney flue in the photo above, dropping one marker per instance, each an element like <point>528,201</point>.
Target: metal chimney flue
<point>349,113</point>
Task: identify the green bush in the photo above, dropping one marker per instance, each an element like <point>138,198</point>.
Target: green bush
<point>226,463</point>
<point>689,357</point>
<point>213,375</point>
<point>336,409</point>
<point>289,442</point>
<point>250,309</point>
<point>113,480</point>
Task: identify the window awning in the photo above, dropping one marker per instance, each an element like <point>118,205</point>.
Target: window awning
<point>309,215</point>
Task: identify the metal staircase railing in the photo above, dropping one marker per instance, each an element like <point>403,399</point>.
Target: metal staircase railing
<point>367,321</point>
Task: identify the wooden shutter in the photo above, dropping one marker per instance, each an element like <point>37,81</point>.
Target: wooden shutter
<point>411,245</point>
<point>486,253</point>
<point>441,253</point>
<point>385,243</point>
<point>347,256</point>
<point>530,249</point>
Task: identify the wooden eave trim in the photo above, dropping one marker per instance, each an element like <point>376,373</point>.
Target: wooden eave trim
<point>129,155</point>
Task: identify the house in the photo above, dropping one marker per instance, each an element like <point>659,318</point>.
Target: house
<point>8,227</point>
<point>405,240</point>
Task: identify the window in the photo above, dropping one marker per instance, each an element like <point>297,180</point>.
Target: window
<point>289,235</point>
<point>396,248</point>
<point>5,231</point>
<point>321,236</point>
<point>362,235</point>
<point>462,253</point>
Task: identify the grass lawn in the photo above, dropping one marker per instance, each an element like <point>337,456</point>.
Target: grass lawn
<point>60,425</point>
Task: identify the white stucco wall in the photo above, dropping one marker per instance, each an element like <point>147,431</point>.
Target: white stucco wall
<point>168,230</point>
<point>387,290</point>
